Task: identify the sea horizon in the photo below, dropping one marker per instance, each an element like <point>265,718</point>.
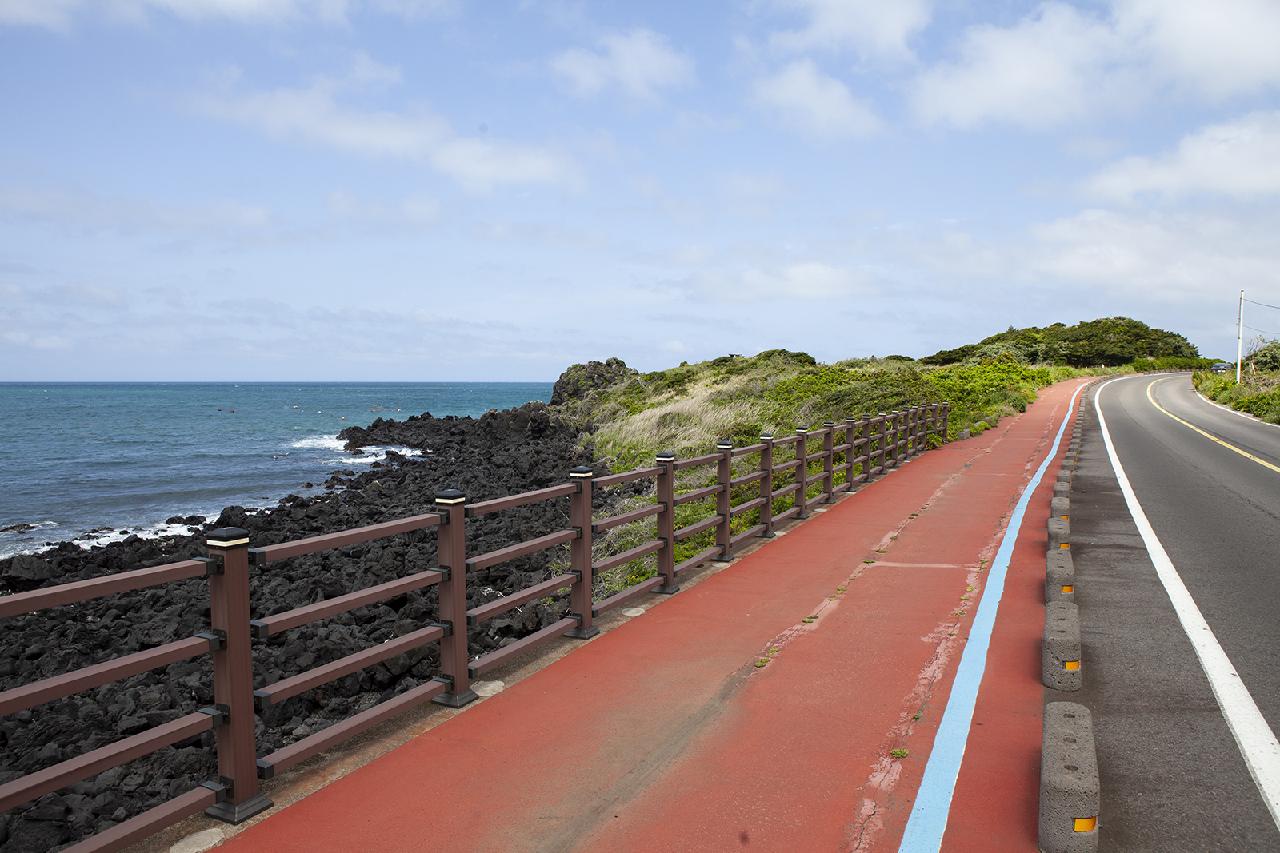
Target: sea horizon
<point>96,461</point>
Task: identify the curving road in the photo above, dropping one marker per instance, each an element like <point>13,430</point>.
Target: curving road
<point>1188,758</point>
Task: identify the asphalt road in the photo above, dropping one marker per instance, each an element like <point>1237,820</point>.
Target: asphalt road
<point>1173,775</point>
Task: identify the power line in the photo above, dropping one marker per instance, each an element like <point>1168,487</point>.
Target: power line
<point>1263,331</point>
<point>1263,304</point>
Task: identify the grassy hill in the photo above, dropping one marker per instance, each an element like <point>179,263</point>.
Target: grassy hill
<point>1107,342</point>
<point>631,415</point>
<point>628,416</point>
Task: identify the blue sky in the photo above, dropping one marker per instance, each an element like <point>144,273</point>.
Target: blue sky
<point>444,189</point>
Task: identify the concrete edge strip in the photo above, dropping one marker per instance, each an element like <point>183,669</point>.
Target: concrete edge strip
<point>1257,743</point>
<point>1070,788</point>
<point>928,820</point>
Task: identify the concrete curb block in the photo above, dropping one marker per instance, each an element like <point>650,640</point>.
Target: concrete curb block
<point>1060,506</point>
<point>1059,532</point>
<point>1061,489</point>
<point>1070,792</point>
<point>1059,577</point>
<point>1060,665</point>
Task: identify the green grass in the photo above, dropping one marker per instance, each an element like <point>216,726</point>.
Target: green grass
<point>1258,394</point>
<point>688,408</point>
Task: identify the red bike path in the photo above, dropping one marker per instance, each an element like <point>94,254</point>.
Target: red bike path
<point>664,734</point>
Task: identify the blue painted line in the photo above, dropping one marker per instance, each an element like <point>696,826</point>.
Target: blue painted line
<point>928,819</point>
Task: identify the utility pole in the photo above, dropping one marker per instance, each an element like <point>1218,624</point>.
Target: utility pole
<point>1239,336</point>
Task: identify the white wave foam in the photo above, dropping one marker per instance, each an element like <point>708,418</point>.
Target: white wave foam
<point>320,442</point>
<point>107,537</point>
<point>34,525</point>
<point>373,454</point>
<point>91,538</point>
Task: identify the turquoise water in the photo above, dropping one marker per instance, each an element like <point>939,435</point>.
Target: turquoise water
<point>79,456</point>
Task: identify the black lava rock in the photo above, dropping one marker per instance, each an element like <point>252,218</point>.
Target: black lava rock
<point>500,453</point>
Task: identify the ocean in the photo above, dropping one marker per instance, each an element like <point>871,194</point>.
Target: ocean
<point>95,462</point>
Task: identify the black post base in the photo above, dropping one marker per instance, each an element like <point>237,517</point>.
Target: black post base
<point>456,700</point>
<point>238,812</point>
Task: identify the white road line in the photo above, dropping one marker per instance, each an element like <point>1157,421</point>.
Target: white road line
<point>1253,736</point>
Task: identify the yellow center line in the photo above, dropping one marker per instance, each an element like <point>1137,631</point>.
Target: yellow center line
<point>1246,454</point>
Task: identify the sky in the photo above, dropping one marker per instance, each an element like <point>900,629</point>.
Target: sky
<point>467,190</point>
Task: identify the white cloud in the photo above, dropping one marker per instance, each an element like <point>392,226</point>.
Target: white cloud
<point>1163,258</point>
<point>819,105</point>
<point>1060,63</point>
<point>52,14</point>
<point>810,280</point>
<point>92,213</point>
<point>59,14</point>
<point>1045,69</point>
<point>414,212</point>
<point>1238,159</point>
<point>314,114</point>
<point>873,28</point>
<point>640,63</point>
<point>1219,49</point>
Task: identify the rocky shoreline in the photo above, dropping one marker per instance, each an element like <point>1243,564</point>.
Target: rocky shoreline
<point>499,453</point>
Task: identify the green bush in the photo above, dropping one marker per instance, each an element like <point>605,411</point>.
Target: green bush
<point>1106,342</point>
<point>1258,394</point>
<point>1267,358</point>
<point>1168,362</point>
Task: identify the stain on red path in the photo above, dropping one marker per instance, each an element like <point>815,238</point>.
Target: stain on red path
<point>663,735</point>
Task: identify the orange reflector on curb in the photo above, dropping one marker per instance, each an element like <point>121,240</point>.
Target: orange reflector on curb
<point>1065,546</point>
<point>1071,665</point>
<point>1065,517</point>
<point>1085,824</point>
<point>1066,587</point>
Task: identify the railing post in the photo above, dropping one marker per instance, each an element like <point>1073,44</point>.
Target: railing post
<point>865,456</point>
<point>882,443</point>
<point>802,472</point>
<point>829,461</point>
<point>922,428</point>
<point>724,469</point>
<point>667,523</point>
<point>766,485</point>
<point>452,602</point>
<point>580,602</point>
<point>233,676</point>
<point>850,455</point>
<point>898,432</point>
<point>890,440</point>
<point>912,447</point>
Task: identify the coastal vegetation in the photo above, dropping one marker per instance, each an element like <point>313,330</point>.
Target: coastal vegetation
<point>1257,393</point>
<point>626,417</point>
<point>601,413</point>
<point>1106,342</point>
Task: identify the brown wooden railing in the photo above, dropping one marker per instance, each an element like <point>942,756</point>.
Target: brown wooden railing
<point>867,447</point>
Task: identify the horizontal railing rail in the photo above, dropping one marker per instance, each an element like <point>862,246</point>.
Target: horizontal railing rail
<point>87,590</point>
<point>343,539</point>
<point>753,491</point>
<point>287,688</point>
<point>524,499</point>
<point>305,615</point>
